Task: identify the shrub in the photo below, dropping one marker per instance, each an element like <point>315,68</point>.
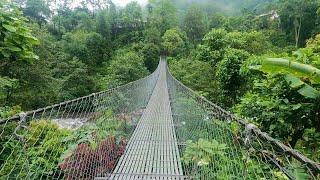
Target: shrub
<point>87,162</point>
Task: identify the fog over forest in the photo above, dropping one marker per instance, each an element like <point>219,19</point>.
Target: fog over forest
<point>224,6</point>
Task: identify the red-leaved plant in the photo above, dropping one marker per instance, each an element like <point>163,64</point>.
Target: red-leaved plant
<point>86,162</point>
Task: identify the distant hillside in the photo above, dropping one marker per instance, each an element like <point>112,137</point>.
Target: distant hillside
<point>231,7</point>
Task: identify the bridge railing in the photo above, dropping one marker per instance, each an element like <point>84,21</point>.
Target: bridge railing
<point>77,139</point>
<point>215,143</point>
<point>83,138</point>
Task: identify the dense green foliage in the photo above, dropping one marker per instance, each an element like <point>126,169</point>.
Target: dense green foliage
<point>47,145</point>
<point>126,67</point>
<point>213,149</point>
<point>16,39</point>
<point>173,42</point>
<point>257,58</point>
<point>263,65</point>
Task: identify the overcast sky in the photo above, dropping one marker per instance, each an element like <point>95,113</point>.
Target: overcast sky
<point>124,2</point>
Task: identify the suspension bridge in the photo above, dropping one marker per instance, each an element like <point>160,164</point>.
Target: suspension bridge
<point>153,128</point>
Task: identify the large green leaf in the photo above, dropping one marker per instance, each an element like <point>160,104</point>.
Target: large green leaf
<point>279,65</point>
<point>303,88</point>
<point>14,49</point>
<point>309,92</point>
<point>9,28</point>
<point>294,81</point>
<point>17,39</point>
<point>294,71</point>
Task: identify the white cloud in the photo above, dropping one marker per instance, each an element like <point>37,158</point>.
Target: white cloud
<point>125,2</point>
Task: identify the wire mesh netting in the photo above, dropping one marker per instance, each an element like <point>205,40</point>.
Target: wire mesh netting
<point>77,139</point>
<point>153,128</point>
<point>214,144</point>
<point>152,151</point>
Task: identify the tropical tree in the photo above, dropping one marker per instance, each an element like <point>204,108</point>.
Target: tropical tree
<point>150,53</point>
<point>103,24</point>
<point>125,67</point>
<point>16,47</point>
<point>298,18</point>
<point>78,82</point>
<point>173,41</point>
<point>195,74</point>
<point>131,15</point>
<point>90,48</point>
<point>16,40</point>
<point>296,74</point>
<point>290,93</point>
<point>163,15</point>
<point>254,42</point>
<point>230,81</point>
<point>213,46</point>
<point>37,10</point>
<point>194,24</point>
<point>217,20</point>
<point>152,35</point>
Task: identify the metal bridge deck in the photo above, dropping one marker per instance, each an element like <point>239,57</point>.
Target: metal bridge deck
<point>152,151</point>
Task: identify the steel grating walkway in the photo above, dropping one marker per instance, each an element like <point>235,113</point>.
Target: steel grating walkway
<point>152,151</point>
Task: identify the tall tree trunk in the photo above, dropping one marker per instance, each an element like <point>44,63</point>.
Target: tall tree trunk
<point>59,25</point>
<point>296,136</point>
<point>297,29</point>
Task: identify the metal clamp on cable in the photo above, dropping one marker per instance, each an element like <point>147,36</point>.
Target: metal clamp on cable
<point>94,97</point>
<point>22,123</point>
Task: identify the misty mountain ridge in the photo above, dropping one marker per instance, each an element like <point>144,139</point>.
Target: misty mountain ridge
<point>231,7</point>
